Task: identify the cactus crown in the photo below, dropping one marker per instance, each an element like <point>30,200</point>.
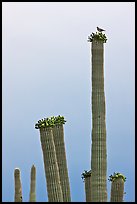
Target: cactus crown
<point>86,174</point>
<point>115,176</point>
<point>50,122</point>
<point>99,36</point>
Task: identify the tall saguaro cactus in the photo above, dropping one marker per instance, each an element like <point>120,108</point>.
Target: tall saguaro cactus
<point>18,187</point>
<point>58,135</point>
<point>117,187</point>
<point>32,196</point>
<point>99,152</point>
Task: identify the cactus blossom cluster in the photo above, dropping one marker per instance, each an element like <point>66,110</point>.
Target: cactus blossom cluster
<point>50,122</point>
<point>97,36</point>
<point>115,176</point>
<point>85,174</point>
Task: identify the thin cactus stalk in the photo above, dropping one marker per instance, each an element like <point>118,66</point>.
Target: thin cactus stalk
<point>58,135</point>
<point>51,167</point>
<point>88,189</point>
<point>99,153</point>
<point>18,187</point>
<point>32,196</point>
<point>87,180</point>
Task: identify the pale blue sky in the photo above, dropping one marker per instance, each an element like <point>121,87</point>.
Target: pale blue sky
<point>46,71</point>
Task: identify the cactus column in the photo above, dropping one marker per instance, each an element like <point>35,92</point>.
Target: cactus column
<point>33,185</point>
<point>18,187</point>
<point>99,153</point>
<point>58,135</point>
<point>87,179</point>
<point>117,190</point>
<point>117,187</point>
<point>51,166</point>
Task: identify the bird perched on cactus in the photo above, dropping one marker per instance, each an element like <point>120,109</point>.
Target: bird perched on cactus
<point>100,29</point>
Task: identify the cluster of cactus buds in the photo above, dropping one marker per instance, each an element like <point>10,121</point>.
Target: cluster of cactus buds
<point>97,36</point>
<point>115,176</point>
<point>50,122</point>
<point>85,174</point>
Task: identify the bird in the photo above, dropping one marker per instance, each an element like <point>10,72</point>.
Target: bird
<point>100,29</point>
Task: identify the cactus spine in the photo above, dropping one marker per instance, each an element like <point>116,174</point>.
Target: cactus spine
<point>58,135</point>
<point>32,196</point>
<point>99,153</point>
<point>18,187</point>
<point>51,166</point>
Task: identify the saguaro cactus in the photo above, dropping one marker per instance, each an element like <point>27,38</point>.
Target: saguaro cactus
<point>32,196</point>
<point>18,187</point>
<point>58,135</point>
<point>50,161</point>
<point>117,187</point>
<point>87,179</point>
<point>99,153</point>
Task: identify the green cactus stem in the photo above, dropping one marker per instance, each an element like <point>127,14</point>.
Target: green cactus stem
<point>51,166</point>
<point>98,149</point>
<point>86,176</point>
<point>32,196</point>
<point>58,136</point>
<point>117,187</point>
<point>18,187</point>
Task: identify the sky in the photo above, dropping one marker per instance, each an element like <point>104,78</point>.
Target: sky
<point>46,71</point>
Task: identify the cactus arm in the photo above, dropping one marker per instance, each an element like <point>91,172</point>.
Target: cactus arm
<point>117,187</point>
<point>58,136</point>
<point>50,164</point>
<point>86,176</point>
